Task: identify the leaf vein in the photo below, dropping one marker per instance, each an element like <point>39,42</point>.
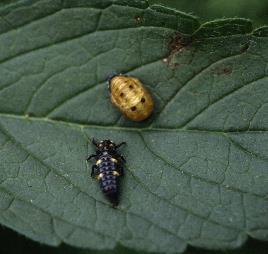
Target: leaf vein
<point>224,96</point>
<point>198,177</point>
<point>78,188</point>
<point>195,76</point>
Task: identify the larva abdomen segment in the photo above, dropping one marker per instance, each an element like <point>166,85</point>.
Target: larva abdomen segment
<point>108,179</point>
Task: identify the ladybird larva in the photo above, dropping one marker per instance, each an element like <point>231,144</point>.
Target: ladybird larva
<point>130,96</point>
<point>108,168</point>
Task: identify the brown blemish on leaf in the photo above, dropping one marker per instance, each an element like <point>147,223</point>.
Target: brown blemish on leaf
<point>175,65</point>
<point>244,48</point>
<point>138,19</point>
<point>178,43</point>
<point>226,70</point>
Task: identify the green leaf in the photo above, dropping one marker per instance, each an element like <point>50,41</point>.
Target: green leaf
<point>196,170</point>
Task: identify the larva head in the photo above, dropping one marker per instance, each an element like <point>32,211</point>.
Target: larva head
<point>106,145</point>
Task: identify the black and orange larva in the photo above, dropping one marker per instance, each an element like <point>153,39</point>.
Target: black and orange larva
<point>108,168</point>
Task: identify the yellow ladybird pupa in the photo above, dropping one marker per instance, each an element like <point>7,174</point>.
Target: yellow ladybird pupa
<point>131,97</point>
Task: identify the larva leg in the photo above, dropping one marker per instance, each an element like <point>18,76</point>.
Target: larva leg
<point>94,171</point>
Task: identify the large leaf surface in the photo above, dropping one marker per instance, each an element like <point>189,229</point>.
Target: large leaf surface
<point>196,170</point>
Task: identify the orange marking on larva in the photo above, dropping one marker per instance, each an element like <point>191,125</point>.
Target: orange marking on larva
<point>99,176</point>
<point>115,173</point>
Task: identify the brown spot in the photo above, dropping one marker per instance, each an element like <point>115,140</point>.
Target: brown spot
<point>138,19</point>
<point>122,94</point>
<point>175,65</point>
<point>177,44</point>
<point>130,87</point>
<point>224,71</point>
<point>142,100</point>
<point>227,70</point>
<point>244,48</point>
<point>133,108</point>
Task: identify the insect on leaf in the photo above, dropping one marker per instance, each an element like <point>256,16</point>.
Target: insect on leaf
<point>196,171</point>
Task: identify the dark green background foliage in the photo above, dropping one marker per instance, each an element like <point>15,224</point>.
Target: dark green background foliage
<point>256,10</point>
<point>196,170</point>
<point>12,243</point>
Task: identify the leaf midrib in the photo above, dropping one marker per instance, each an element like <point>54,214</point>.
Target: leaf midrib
<point>77,125</point>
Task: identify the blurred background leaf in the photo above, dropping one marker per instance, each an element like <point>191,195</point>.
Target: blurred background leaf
<point>207,10</point>
<point>11,243</point>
